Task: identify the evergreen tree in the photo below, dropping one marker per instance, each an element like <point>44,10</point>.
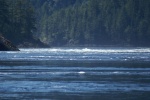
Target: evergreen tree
<point>4,14</point>
<point>22,20</point>
<point>121,22</point>
<point>77,22</point>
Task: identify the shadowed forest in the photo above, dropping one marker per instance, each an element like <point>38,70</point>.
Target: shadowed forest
<point>77,22</point>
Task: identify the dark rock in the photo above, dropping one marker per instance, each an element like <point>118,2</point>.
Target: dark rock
<point>6,45</point>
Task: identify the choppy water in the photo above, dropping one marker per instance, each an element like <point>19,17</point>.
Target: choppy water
<point>76,74</point>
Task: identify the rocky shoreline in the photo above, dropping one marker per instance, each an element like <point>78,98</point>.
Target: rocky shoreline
<point>6,45</point>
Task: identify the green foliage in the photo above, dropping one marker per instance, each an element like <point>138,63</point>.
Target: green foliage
<point>3,16</point>
<point>77,22</point>
<point>18,16</point>
<point>95,22</point>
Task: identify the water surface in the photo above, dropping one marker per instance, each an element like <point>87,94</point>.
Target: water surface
<point>76,74</point>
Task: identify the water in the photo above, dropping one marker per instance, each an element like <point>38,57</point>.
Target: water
<point>75,74</point>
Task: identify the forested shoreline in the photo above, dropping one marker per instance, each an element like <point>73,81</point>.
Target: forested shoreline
<point>17,20</point>
<point>77,22</point>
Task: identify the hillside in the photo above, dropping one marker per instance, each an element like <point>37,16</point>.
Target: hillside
<point>76,22</point>
<point>93,22</point>
<point>18,23</point>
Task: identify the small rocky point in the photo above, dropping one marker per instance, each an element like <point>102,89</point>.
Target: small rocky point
<point>6,45</point>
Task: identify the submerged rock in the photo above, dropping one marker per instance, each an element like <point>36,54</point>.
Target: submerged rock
<point>6,45</point>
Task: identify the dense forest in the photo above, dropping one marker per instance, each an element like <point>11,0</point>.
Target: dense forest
<point>17,20</point>
<point>77,22</point>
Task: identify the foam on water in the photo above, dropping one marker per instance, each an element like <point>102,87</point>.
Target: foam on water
<point>79,54</point>
<point>81,72</point>
<point>84,50</point>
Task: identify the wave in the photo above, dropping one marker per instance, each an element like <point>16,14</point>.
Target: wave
<point>78,54</point>
<point>84,50</point>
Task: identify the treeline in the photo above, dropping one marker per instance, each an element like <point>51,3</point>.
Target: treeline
<point>77,22</point>
<point>17,20</point>
<point>93,22</point>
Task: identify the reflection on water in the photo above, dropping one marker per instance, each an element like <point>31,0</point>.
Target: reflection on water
<point>76,74</point>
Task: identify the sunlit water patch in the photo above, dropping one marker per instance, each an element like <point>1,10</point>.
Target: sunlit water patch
<point>79,54</point>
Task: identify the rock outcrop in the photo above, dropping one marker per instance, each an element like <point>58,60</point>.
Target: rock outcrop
<point>6,45</point>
